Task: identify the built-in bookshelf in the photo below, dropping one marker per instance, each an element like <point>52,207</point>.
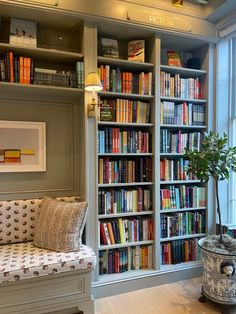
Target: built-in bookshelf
<point>125,166</point>
<point>117,156</point>
<point>51,63</point>
<point>183,206</point>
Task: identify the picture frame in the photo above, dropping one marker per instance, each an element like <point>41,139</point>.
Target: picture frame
<point>22,146</point>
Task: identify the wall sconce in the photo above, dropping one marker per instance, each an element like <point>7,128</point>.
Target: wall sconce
<point>92,84</point>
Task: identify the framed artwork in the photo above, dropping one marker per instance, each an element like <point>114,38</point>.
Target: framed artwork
<point>22,146</point>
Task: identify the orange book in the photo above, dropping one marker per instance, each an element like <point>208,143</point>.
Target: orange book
<point>21,70</point>
<point>11,67</point>
<point>111,234</point>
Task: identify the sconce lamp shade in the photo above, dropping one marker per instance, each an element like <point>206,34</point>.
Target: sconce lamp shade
<point>92,82</point>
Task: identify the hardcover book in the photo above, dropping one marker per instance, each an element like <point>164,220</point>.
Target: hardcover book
<point>173,58</point>
<point>110,47</point>
<point>136,50</point>
<point>23,32</point>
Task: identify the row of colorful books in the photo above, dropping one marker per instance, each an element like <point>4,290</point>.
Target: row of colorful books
<point>175,86</point>
<point>173,141</point>
<point>125,259</point>
<point>121,231</point>
<point>175,169</point>
<point>179,251</point>
<point>182,114</point>
<point>23,70</point>
<point>183,223</point>
<point>116,80</point>
<point>184,196</point>
<point>124,171</point>
<point>124,110</point>
<point>115,140</point>
<point>124,201</point>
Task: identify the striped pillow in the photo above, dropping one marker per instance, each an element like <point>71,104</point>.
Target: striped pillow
<point>60,225</point>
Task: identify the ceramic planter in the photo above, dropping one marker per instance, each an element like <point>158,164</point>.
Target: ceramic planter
<point>219,278</point>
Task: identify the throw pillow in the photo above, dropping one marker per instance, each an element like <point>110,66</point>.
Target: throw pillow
<point>59,225</point>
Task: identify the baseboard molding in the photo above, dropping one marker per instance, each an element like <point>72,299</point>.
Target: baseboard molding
<point>101,289</point>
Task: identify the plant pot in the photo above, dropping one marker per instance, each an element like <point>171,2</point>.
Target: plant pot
<point>219,278</point>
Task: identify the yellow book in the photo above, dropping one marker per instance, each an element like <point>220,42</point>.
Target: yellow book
<point>12,153</point>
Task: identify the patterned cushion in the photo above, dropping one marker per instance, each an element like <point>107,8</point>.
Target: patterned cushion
<point>60,225</point>
<point>17,219</point>
<point>23,261</point>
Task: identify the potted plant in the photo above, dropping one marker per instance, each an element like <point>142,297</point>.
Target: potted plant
<point>216,160</point>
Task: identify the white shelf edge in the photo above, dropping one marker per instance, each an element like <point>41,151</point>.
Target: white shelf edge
<point>103,185</point>
<point>123,95</point>
<point>180,182</point>
<point>37,50</point>
<point>177,126</point>
<point>176,210</point>
<point>128,124</point>
<point>124,62</point>
<point>183,99</point>
<point>189,236</point>
<point>187,71</point>
<point>123,245</point>
<point>129,214</point>
<point>125,154</point>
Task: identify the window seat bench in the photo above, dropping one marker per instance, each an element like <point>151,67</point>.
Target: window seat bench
<point>36,280</point>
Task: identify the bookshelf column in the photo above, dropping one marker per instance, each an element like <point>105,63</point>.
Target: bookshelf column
<point>90,54</point>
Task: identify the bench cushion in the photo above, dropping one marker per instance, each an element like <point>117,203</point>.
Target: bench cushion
<point>23,261</point>
<point>17,218</point>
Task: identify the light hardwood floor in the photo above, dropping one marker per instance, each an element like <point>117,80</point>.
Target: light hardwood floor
<point>176,298</point>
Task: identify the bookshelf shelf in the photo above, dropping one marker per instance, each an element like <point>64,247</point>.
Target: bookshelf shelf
<point>105,185</point>
<point>180,182</point>
<point>201,101</point>
<point>126,64</point>
<point>177,210</point>
<point>182,265</point>
<point>115,124</point>
<point>117,246</point>
<point>38,90</point>
<point>189,236</point>
<point>130,214</point>
<point>43,54</point>
<point>183,71</point>
<point>126,154</point>
<point>126,95</point>
<point>177,126</point>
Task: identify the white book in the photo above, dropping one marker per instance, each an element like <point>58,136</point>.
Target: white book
<point>136,50</point>
<point>23,32</point>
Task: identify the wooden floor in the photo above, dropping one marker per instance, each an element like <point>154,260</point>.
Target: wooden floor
<point>176,298</point>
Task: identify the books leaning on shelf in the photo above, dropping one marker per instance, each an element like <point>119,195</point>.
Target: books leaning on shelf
<point>115,140</point>
<point>109,48</point>
<point>122,231</point>
<point>176,141</point>
<point>124,111</point>
<point>117,201</point>
<point>185,113</point>
<point>173,58</point>
<point>16,69</point>
<point>125,259</point>
<point>183,196</point>
<point>136,50</point>
<point>115,80</point>
<point>175,86</point>
<point>23,32</point>
<point>183,223</point>
<point>180,251</point>
<point>175,169</point>
<point>124,170</point>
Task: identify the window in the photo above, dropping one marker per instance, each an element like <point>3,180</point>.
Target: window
<point>226,110</point>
